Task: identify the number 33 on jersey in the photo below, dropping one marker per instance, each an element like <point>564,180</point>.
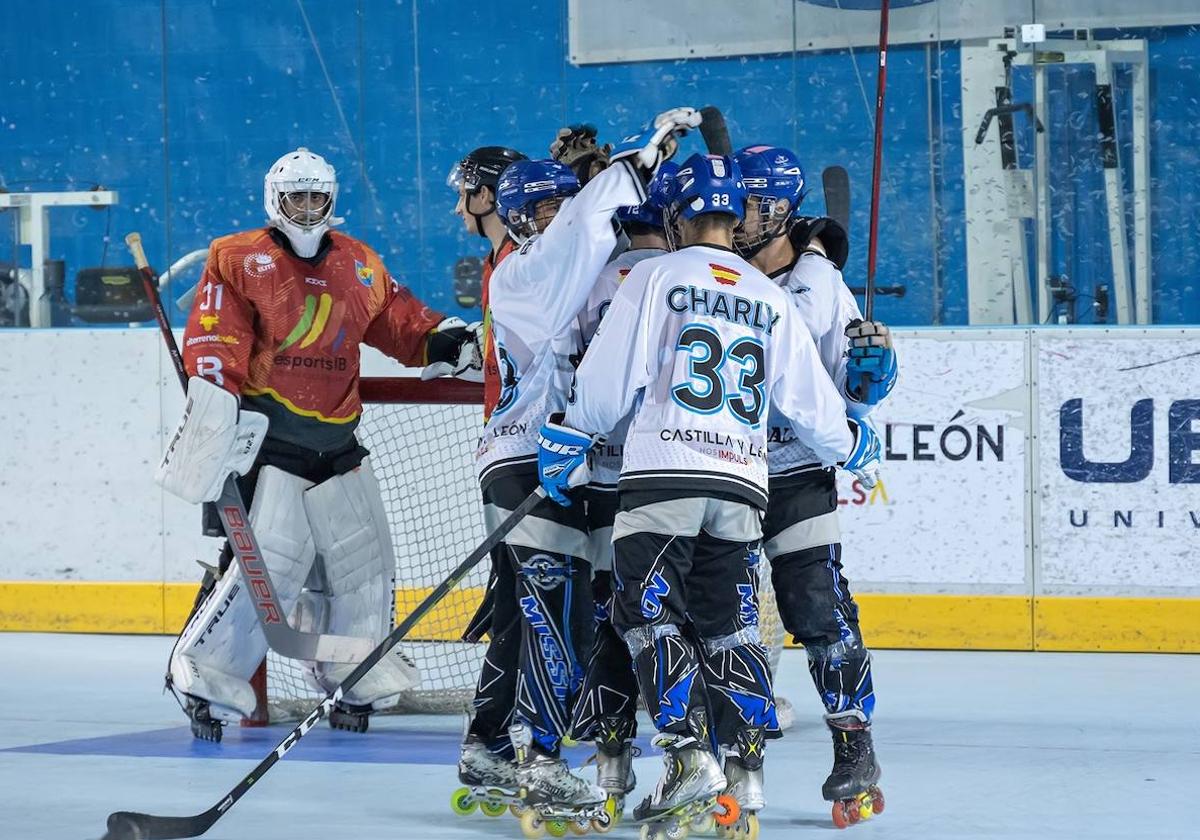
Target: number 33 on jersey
<point>710,343</point>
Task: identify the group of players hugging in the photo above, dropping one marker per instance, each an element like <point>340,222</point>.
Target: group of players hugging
<point>669,352</point>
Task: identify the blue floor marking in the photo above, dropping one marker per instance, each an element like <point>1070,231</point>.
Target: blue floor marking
<point>382,745</point>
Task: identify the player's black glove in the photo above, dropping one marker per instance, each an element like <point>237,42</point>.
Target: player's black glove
<point>832,235</point>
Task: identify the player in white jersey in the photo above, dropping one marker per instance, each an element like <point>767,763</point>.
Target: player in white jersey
<point>607,707</point>
<point>801,533</point>
<point>542,618</point>
<point>699,344</point>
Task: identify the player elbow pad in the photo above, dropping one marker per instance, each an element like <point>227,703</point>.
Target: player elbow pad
<point>213,439</point>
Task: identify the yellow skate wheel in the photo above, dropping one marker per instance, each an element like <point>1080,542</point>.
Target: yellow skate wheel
<point>532,825</point>
<point>493,808</point>
<point>865,811</point>
<point>703,824</point>
<point>556,828</point>
<point>516,809</point>
<point>752,828</point>
<point>461,802</point>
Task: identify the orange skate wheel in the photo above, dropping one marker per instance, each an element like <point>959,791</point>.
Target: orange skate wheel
<point>728,811</point>
<point>852,812</point>
<point>876,800</point>
<point>840,818</point>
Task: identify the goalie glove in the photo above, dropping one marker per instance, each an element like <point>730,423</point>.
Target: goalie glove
<point>563,458</point>
<point>452,348</point>
<point>871,369</point>
<point>865,457</point>
<point>656,142</point>
<point>213,439</point>
<point>576,146</point>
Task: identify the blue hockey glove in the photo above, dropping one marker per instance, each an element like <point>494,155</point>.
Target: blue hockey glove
<point>563,458</point>
<point>656,142</point>
<point>871,369</point>
<point>865,457</point>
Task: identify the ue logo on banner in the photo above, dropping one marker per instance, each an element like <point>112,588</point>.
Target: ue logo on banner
<point>1182,442</point>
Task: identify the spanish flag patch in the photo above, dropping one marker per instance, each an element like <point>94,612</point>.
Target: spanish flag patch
<point>724,276</point>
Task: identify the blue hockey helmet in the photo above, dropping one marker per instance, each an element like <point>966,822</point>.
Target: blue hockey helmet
<point>658,195</point>
<point>709,184</point>
<point>525,184</point>
<point>774,182</point>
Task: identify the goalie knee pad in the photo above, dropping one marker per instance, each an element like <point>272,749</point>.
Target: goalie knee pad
<point>222,645</point>
<point>351,534</point>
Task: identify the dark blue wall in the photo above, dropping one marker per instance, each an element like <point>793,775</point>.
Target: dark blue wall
<point>397,94</point>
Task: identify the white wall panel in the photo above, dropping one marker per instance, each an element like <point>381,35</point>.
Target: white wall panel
<point>951,513</point>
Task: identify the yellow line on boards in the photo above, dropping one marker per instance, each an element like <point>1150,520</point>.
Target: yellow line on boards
<point>907,621</point>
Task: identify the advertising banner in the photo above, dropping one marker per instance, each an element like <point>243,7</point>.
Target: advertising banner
<point>1119,464</point>
<point>950,510</point>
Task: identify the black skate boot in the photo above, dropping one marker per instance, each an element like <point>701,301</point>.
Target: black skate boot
<point>350,718</point>
<point>851,785</point>
<point>204,726</point>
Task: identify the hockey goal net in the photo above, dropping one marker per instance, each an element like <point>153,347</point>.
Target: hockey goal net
<point>422,438</point>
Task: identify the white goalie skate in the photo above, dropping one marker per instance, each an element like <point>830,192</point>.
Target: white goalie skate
<point>687,791</point>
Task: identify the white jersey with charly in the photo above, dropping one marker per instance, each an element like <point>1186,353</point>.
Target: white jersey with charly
<point>606,461</point>
<point>535,296</point>
<point>826,306</point>
<point>703,343</point>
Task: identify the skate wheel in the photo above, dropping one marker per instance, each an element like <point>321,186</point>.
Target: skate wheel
<point>532,825</point>
<point>865,812</point>
<point>556,828</point>
<point>516,809</point>
<point>652,831</point>
<point>578,829</point>
<point>752,828</point>
<point>876,800</point>
<point>493,808</point>
<point>704,824</point>
<point>676,831</point>
<point>852,811</point>
<point>728,811</point>
<point>840,818</point>
<point>461,802</point>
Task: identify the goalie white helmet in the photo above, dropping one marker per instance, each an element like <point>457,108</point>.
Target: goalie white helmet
<point>299,194</point>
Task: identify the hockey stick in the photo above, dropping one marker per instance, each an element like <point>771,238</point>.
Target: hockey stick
<point>835,184</point>
<point>877,166</point>
<point>714,132</point>
<point>281,636</point>
<point>129,825</point>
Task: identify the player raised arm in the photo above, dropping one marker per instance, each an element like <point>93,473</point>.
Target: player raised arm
<point>415,335</point>
<point>570,251</point>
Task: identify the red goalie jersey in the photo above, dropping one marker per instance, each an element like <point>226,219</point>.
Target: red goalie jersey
<point>284,332</point>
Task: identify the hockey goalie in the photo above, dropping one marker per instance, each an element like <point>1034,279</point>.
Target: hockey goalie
<point>272,352</point>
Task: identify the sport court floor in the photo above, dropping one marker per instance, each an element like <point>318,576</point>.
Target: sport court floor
<point>987,745</point>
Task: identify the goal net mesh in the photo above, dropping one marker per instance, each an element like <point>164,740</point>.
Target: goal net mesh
<point>422,437</point>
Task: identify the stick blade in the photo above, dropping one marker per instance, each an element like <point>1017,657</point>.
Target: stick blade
<point>714,131</point>
<point>130,825</point>
<point>835,183</point>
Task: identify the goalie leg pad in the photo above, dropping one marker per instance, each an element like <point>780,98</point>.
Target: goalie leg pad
<point>352,537</point>
<point>222,645</point>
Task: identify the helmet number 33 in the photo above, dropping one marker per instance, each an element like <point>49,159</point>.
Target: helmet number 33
<point>705,391</point>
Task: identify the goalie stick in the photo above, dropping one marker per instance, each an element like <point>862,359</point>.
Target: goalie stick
<point>281,636</point>
<point>130,825</point>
